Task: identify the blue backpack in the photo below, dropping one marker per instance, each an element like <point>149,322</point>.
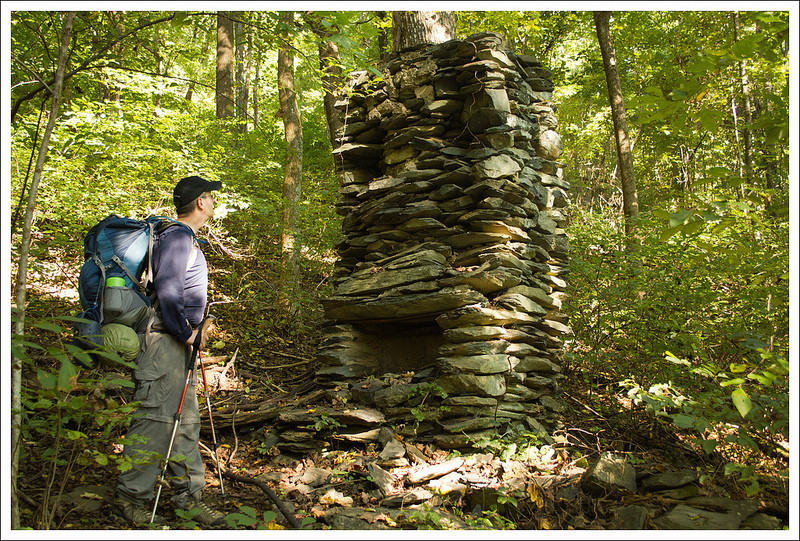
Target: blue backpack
<point>113,282</point>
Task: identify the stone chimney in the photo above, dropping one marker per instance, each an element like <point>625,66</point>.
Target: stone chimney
<point>450,280</point>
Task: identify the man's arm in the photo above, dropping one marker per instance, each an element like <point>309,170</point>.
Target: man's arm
<point>169,269</point>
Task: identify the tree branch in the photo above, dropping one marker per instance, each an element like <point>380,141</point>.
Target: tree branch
<point>35,75</point>
<point>84,65</point>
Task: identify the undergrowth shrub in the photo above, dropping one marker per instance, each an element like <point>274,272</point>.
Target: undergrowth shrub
<point>692,325</point>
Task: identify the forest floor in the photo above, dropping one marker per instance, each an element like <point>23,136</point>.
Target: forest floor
<point>335,488</point>
<point>349,498</point>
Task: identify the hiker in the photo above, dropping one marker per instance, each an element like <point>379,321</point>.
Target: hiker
<point>180,283</point>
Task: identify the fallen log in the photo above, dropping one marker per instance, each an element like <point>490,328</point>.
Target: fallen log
<point>260,412</point>
<point>263,486</point>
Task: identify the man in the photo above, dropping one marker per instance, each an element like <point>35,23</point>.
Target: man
<point>180,283</point>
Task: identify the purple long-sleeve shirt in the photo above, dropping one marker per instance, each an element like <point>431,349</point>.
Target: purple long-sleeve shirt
<point>180,280</point>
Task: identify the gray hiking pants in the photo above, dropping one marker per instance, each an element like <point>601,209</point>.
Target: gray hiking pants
<point>159,378</point>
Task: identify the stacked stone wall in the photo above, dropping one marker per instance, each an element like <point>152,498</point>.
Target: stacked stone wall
<point>451,270</point>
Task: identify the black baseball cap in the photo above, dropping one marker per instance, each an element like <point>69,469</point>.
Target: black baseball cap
<point>190,188</point>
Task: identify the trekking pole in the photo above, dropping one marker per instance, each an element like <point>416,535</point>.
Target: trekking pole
<point>211,419</point>
<point>189,369</point>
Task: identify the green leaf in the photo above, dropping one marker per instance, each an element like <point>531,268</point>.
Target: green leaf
<point>269,516</point>
<point>682,420</point>
<point>693,227</point>
<point>708,445</point>
<point>709,120</point>
<point>762,379</point>
<point>179,18</point>
<point>248,510</point>
<point>753,488</point>
<point>239,519</point>
<point>669,233</point>
<point>778,134</point>
<point>47,326</point>
<point>718,171</point>
<point>43,403</point>
<point>738,368</point>
<point>67,376</point>
<point>742,401</point>
<point>728,382</point>
<point>74,435</point>
<point>673,359</point>
<point>47,379</point>
<point>679,218</point>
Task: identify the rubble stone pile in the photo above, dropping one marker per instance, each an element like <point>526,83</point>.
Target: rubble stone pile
<point>451,273</point>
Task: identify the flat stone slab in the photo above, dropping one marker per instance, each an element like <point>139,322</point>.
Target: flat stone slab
<point>411,497</point>
<point>393,450</point>
<point>359,437</point>
<point>630,517</point>
<point>432,472</point>
<point>489,385</point>
<point>361,416</point>
<point>480,315</point>
<point>608,476</point>
<point>762,521</point>
<point>460,425</point>
<point>349,518</point>
<point>478,364</point>
<point>315,476</point>
<point>382,478</point>
<point>519,302</point>
<point>685,517</point>
<point>741,508</point>
<point>383,280</point>
<point>389,307</point>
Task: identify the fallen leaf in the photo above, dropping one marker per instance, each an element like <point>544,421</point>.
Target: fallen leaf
<point>536,495</point>
<point>317,511</point>
<point>334,497</point>
<point>385,518</point>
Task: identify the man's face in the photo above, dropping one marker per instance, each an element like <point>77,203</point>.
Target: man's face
<point>208,207</point>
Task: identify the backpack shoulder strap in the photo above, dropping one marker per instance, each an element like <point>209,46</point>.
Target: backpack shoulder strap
<point>159,224</point>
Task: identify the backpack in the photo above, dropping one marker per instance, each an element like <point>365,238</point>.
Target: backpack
<point>113,284</point>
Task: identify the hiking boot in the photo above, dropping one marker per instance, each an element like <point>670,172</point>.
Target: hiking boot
<point>137,514</point>
<point>207,515</point>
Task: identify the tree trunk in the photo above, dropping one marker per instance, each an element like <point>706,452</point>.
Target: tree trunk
<point>257,77</point>
<point>413,28</point>
<point>383,37</point>
<point>630,198</point>
<point>293,166</point>
<point>331,73</point>
<point>748,110</point>
<point>248,56</point>
<point>203,51</point>
<point>241,87</point>
<point>225,65</point>
<point>331,82</point>
<point>159,71</point>
<point>16,366</point>
<point>256,82</point>
<point>112,90</point>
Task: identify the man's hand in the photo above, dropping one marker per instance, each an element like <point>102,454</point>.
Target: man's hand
<point>201,332</point>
